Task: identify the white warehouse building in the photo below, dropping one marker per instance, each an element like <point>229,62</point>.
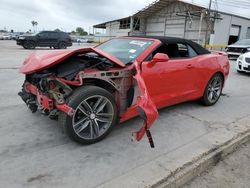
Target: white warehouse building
<point>177,18</point>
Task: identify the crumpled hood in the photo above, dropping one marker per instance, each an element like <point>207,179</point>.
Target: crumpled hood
<point>41,60</point>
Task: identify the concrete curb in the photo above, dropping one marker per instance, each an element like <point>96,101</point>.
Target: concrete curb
<point>194,168</point>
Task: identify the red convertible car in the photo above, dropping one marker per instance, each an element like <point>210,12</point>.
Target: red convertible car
<point>90,90</point>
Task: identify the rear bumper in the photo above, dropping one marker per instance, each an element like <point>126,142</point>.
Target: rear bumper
<point>69,44</point>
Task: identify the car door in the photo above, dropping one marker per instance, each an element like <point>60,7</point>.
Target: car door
<point>43,39</point>
<point>173,81</point>
<point>53,38</point>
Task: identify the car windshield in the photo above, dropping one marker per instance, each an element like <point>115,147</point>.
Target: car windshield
<point>126,50</point>
<point>243,42</point>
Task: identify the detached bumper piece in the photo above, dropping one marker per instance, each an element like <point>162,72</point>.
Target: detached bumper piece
<point>29,100</point>
<point>146,109</point>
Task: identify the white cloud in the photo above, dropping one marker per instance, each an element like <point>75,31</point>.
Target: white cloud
<point>63,14</point>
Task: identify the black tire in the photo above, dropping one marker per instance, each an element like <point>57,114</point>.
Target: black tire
<point>29,45</point>
<point>240,71</point>
<point>82,95</point>
<point>206,99</point>
<point>62,45</point>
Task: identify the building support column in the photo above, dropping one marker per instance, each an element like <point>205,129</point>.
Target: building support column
<point>131,25</point>
<point>165,26</point>
<point>185,27</point>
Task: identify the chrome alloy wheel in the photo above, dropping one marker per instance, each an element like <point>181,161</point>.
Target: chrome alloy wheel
<point>92,117</point>
<point>214,89</point>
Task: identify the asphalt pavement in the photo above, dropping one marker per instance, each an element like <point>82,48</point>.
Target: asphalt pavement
<point>233,172</point>
<point>34,152</point>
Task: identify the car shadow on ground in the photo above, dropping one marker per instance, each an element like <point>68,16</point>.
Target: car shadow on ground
<point>243,74</point>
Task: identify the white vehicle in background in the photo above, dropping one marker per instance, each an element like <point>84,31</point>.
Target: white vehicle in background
<point>81,40</point>
<point>243,63</point>
<point>6,37</point>
<point>238,48</point>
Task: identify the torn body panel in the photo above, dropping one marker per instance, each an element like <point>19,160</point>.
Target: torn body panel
<point>49,86</point>
<point>119,71</point>
<point>145,107</point>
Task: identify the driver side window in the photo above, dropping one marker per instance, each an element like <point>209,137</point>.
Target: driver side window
<point>174,50</point>
<point>43,34</point>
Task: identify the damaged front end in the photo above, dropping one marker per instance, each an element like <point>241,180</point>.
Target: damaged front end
<point>47,88</point>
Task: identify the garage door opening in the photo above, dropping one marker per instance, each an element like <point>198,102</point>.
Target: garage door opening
<point>248,33</point>
<point>234,34</point>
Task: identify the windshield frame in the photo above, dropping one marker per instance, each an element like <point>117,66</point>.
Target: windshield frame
<point>142,55</point>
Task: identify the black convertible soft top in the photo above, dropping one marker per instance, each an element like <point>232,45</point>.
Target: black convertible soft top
<point>173,40</point>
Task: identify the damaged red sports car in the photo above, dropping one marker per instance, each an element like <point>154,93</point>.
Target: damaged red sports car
<point>90,90</point>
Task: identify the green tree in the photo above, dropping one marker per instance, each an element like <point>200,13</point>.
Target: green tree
<point>81,31</point>
<point>34,23</point>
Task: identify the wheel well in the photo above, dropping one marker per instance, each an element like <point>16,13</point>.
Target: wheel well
<point>212,77</point>
<point>223,77</point>
<point>100,83</point>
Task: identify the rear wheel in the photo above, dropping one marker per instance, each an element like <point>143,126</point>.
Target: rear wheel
<point>213,90</point>
<point>94,117</point>
<point>62,45</point>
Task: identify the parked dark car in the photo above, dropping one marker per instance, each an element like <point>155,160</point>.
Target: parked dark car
<point>55,39</point>
<point>238,48</point>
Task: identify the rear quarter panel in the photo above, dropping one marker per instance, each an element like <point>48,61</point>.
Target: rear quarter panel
<point>210,64</point>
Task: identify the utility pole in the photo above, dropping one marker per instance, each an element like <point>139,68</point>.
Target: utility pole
<point>208,22</point>
<point>200,27</point>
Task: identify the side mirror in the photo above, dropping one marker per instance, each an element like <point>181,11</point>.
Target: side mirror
<point>160,57</point>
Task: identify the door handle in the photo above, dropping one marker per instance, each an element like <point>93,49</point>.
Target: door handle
<point>189,66</point>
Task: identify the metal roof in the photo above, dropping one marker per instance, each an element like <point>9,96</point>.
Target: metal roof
<point>158,5</point>
<point>153,7</point>
<point>103,25</point>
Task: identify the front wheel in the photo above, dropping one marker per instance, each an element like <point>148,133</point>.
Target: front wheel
<point>29,45</point>
<point>94,117</point>
<point>213,90</point>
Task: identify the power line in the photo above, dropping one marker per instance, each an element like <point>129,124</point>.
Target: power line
<point>235,3</point>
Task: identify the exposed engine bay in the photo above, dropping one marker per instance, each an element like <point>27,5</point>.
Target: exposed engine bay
<point>59,81</point>
<point>47,88</point>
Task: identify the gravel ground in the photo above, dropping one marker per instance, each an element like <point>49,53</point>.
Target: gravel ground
<point>233,171</point>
